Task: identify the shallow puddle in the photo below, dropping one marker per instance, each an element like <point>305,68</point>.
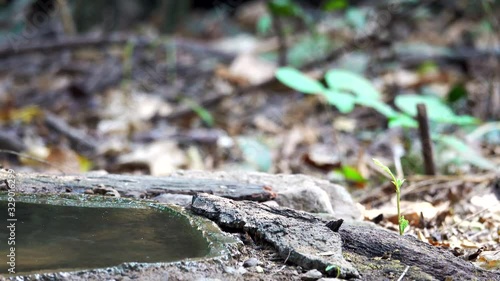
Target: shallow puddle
<point>68,236</point>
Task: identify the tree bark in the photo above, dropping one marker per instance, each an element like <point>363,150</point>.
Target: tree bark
<point>152,186</point>
<point>367,251</point>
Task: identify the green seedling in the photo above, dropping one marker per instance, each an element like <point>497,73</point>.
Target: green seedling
<point>204,114</point>
<point>344,90</point>
<point>331,267</point>
<point>403,223</point>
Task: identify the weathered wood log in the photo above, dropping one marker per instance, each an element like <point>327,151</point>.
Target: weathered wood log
<point>297,236</point>
<point>305,240</point>
<point>36,183</point>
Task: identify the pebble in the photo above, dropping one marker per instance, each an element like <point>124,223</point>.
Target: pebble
<point>259,269</point>
<point>251,262</point>
<point>311,275</point>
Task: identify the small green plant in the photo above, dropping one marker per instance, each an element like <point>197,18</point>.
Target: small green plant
<point>200,111</point>
<point>330,267</point>
<point>346,89</point>
<point>403,223</point>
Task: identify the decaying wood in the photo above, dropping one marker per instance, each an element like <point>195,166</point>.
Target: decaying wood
<point>373,242</point>
<point>311,244</point>
<point>124,184</point>
<point>297,236</point>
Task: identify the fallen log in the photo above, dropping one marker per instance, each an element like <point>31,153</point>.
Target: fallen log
<point>124,184</point>
<point>358,250</point>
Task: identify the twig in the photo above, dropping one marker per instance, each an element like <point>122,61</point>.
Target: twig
<point>425,138</point>
<point>79,140</point>
<point>465,178</point>
<point>82,42</point>
<point>33,158</point>
<point>404,273</point>
<point>289,252</point>
<point>453,56</point>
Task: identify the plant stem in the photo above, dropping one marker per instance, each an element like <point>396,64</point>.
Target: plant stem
<point>398,195</point>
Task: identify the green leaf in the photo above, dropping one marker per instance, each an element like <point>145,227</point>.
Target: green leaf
<point>467,153</point>
<point>255,153</point>
<point>402,120</point>
<point>427,67</point>
<point>334,5</point>
<point>299,81</point>
<point>343,102</point>
<point>346,81</point>
<point>399,182</point>
<point>351,174</point>
<point>461,120</point>
<point>284,8</point>
<point>403,224</point>
<point>457,93</point>
<point>201,112</point>
<point>435,108</point>
<point>379,106</point>
<point>356,17</point>
<point>384,167</point>
<point>330,267</point>
<point>264,24</point>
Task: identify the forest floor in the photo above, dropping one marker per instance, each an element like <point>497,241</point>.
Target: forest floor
<point>207,99</point>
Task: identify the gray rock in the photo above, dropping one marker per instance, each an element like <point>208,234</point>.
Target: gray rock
<point>251,262</point>
<point>311,275</point>
<point>299,192</point>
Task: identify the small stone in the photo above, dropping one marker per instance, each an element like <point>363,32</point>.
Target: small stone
<point>311,275</point>
<point>251,262</point>
<point>259,269</point>
<point>88,191</point>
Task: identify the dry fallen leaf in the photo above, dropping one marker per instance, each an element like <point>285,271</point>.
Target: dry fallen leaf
<point>162,158</point>
<point>253,69</point>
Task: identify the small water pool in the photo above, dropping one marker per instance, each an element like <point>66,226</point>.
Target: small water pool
<point>64,234</point>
